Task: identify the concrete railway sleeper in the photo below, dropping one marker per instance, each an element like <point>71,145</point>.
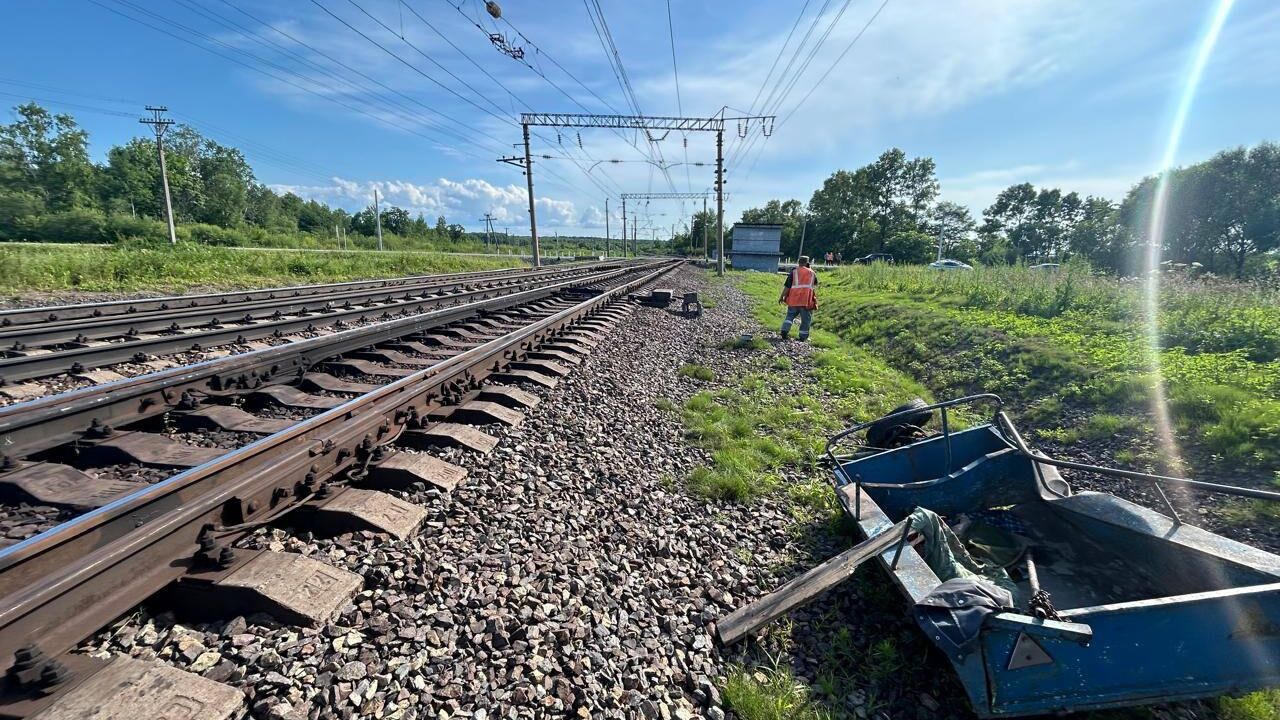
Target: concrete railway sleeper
<point>179,534</point>
<point>78,354</point>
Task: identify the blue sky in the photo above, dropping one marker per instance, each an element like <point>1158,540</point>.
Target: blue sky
<point>1075,95</point>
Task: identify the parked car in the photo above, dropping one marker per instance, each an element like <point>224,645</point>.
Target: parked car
<point>950,265</point>
<point>874,257</point>
<point>1046,267</point>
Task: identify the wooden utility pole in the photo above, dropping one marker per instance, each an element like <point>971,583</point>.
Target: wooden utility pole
<point>490,241</point>
<point>377,217</point>
<point>160,124</point>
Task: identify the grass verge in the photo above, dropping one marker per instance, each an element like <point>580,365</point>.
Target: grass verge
<point>137,267</point>
<point>1071,344</point>
<point>848,381</point>
<point>766,426</point>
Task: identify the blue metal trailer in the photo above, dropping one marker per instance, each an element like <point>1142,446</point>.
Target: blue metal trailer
<point>1148,608</point>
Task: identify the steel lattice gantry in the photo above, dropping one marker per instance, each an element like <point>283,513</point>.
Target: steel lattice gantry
<point>628,122</point>
<point>634,122</point>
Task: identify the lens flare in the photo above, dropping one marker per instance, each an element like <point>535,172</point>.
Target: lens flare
<point>1156,229</point>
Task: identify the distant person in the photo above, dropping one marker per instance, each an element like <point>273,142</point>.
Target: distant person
<point>800,295</point>
<point>839,258</point>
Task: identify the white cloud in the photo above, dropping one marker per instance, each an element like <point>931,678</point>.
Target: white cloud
<point>461,201</point>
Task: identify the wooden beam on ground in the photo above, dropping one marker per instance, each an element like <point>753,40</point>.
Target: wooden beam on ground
<point>748,619</point>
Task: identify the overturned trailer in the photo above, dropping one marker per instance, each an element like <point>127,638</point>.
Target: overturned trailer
<point>1148,609</point>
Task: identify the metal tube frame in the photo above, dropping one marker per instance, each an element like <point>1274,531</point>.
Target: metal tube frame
<point>1004,426</point>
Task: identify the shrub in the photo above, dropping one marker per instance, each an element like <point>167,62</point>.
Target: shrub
<point>125,228</point>
<point>71,226</point>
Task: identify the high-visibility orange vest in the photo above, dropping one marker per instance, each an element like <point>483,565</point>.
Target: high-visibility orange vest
<point>802,292</point>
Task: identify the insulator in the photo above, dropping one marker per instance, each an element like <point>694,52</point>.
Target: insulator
<point>493,8</point>
<point>579,141</point>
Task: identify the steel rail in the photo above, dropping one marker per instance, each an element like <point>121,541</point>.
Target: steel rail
<point>44,423</point>
<point>62,585</point>
<point>78,359</point>
<point>52,313</point>
<point>172,319</point>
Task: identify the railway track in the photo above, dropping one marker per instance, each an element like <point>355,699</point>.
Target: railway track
<point>304,430</point>
<point>80,340</point>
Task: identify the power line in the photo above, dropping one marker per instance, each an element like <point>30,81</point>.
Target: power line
<point>64,103</point>
<point>425,74</point>
<point>267,73</point>
<point>773,100</point>
<point>614,57</point>
<point>550,58</point>
<point>804,65</point>
<point>354,71</point>
<point>825,74</point>
<point>307,62</point>
<point>675,70</point>
<point>781,51</point>
<point>846,50</point>
<point>404,62</point>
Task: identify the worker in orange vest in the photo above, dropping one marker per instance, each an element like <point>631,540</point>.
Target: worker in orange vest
<point>800,294</point>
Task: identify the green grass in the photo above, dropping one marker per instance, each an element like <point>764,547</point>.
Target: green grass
<point>1253,512</point>
<point>1097,427</point>
<point>870,346</point>
<point>1048,343</point>
<point>757,423</point>
<point>754,342</point>
<point>666,405</point>
<point>754,427</point>
<point>138,267</point>
<point>772,694</point>
<point>1263,705</point>
<point>697,372</point>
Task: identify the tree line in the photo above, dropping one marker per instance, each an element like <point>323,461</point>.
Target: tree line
<point>1222,214</point>
<point>50,190</point>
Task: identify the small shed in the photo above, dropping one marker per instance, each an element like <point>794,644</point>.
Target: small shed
<point>756,247</point>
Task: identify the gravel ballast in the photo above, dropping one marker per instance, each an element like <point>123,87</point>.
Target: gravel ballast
<point>570,575</point>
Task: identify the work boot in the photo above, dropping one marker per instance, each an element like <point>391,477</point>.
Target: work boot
<point>784,337</point>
